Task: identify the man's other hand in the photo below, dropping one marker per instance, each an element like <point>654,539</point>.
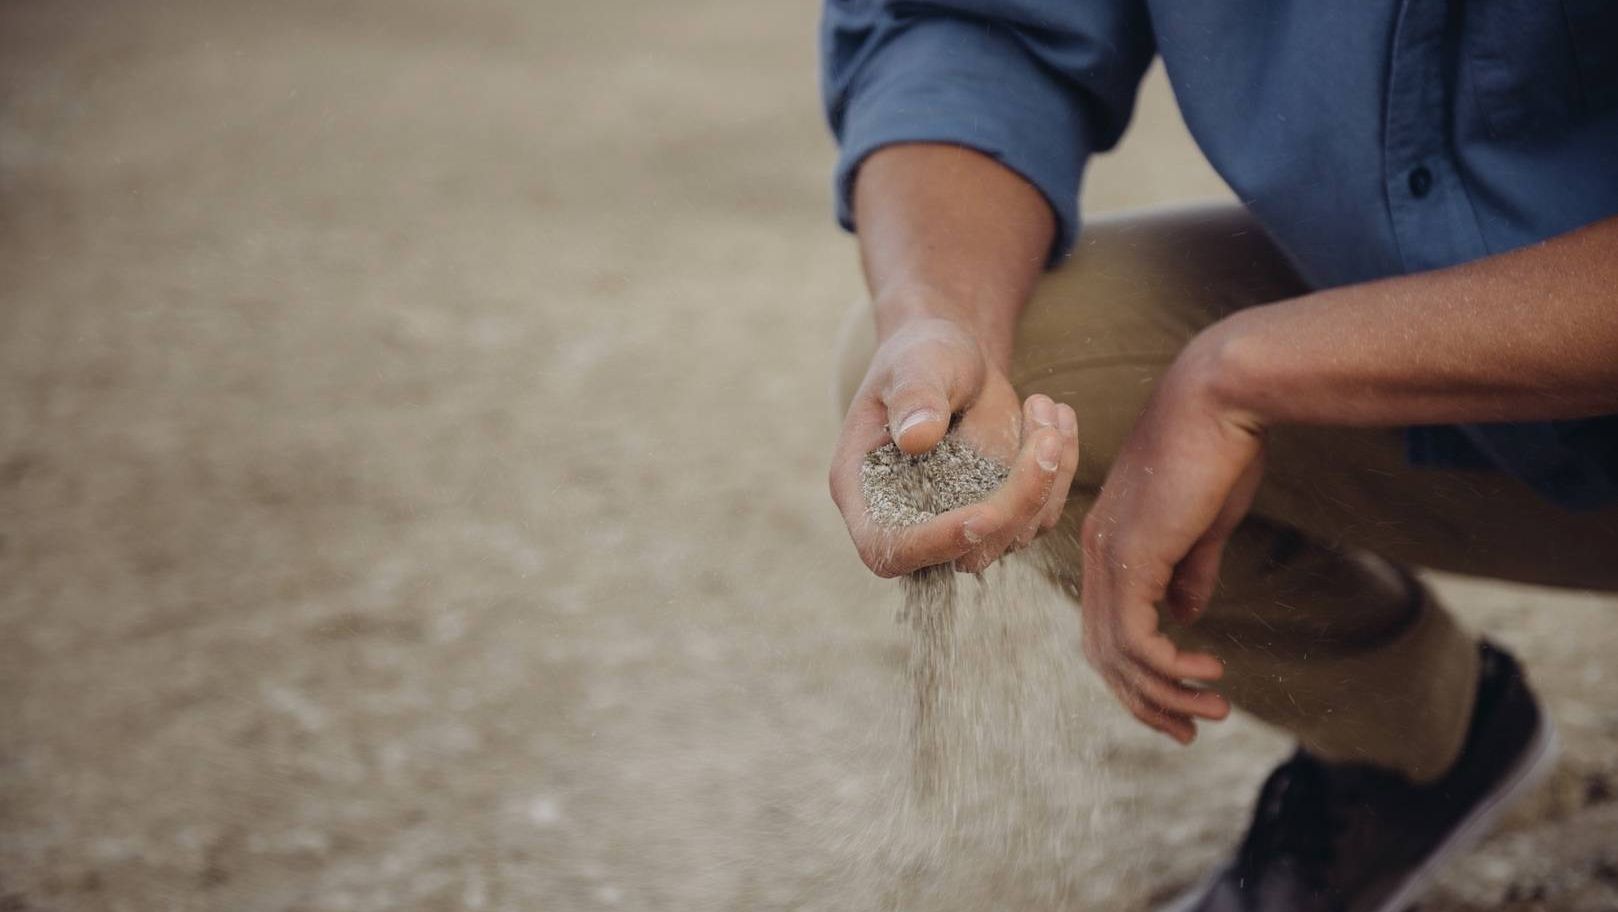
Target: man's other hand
<point>1183,480</point>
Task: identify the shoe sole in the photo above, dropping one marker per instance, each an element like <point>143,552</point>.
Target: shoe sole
<point>1537,762</point>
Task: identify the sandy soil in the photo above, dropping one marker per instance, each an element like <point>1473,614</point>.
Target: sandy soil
<point>411,431</point>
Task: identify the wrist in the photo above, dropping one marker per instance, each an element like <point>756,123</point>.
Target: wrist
<point>1221,370</point>
<point>993,327</point>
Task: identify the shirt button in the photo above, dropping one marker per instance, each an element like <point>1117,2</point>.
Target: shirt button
<point>1421,181</point>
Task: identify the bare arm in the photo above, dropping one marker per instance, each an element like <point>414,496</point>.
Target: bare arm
<point>947,232</point>
<point>1526,335</point>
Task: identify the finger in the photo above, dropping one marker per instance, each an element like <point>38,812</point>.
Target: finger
<point>1157,653</point>
<point>1179,699</point>
<point>1176,726</point>
<point>1039,411</point>
<point>1067,422</point>
<point>891,552</point>
<point>1018,501</point>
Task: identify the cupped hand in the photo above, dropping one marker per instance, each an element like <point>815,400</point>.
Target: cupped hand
<point>1181,483</point>
<point>924,372</point>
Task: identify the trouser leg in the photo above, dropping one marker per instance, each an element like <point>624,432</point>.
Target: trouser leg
<point>1324,632</point>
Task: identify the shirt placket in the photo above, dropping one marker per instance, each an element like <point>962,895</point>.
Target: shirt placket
<point>1432,218</point>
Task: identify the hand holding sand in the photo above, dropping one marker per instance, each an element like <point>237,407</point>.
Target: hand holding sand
<point>924,373</point>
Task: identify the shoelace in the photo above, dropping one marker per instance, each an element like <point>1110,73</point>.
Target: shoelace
<point>1293,821</point>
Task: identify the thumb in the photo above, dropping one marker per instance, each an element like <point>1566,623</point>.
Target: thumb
<point>1197,575</point>
<point>1194,580</point>
<point>928,376</point>
<point>918,414</point>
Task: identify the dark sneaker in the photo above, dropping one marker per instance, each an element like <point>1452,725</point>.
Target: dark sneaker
<point>1350,838</point>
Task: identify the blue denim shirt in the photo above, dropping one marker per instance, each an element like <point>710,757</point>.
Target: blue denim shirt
<point>1370,137</point>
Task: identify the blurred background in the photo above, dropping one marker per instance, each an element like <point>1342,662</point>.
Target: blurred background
<point>413,419</point>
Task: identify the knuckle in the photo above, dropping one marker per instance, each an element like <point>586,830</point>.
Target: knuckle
<point>909,390</point>
<point>990,521</point>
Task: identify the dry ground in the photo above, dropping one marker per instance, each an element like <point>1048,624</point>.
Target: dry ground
<point>411,432</point>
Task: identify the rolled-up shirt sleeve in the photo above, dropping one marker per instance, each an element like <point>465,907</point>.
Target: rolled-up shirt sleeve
<point>1038,85</point>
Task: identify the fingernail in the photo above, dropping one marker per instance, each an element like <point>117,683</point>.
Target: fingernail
<point>1050,454</point>
<point>914,418</point>
<point>1045,412</point>
<point>970,533</point>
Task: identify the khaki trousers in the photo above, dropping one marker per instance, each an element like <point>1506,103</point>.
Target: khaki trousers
<point>1324,631</point>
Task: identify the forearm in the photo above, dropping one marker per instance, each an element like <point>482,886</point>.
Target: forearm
<point>1527,335</point>
<point>947,232</point>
